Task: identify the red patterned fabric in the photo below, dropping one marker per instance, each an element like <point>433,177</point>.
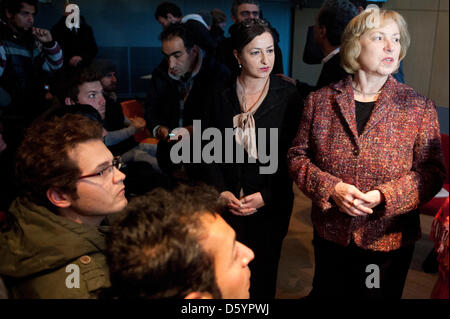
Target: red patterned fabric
<point>436,203</point>
<point>439,233</point>
<point>398,153</point>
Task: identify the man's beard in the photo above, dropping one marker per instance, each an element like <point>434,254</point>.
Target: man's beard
<point>22,32</point>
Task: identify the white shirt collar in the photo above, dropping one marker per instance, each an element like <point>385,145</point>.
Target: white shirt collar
<point>196,17</point>
<point>330,55</point>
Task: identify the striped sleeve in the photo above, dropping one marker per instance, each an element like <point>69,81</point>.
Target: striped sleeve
<point>53,58</point>
<point>2,59</point>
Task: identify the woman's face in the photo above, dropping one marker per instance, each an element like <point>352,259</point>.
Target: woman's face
<point>380,49</point>
<point>258,56</point>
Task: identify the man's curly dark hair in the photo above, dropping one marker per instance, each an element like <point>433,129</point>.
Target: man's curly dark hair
<point>43,160</point>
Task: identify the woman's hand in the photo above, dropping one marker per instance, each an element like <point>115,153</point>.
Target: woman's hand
<point>233,204</point>
<point>251,203</point>
<point>372,199</point>
<point>345,196</point>
<point>248,205</point>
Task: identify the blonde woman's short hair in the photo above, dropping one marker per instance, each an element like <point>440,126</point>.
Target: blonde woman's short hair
<point>372,17</point>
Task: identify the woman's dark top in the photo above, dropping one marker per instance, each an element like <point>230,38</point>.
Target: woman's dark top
<point>363,111</point>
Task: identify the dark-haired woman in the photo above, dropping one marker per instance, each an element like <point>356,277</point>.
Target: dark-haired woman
<point>264,112</point>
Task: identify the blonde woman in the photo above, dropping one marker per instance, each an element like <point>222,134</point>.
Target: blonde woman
<point>367,153</point>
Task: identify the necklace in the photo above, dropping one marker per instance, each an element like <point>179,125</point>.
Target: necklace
<point>363,93</point>
<point>259,97</point>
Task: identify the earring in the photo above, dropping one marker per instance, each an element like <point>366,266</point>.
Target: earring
<point>240,66</point>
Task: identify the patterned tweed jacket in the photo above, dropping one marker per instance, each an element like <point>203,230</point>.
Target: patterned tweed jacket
<point>398,153</point>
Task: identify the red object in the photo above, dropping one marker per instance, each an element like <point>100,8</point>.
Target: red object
<point>2,216</point>
<point>132,108</point>
<point>431,207</point>
<point>439,234</point>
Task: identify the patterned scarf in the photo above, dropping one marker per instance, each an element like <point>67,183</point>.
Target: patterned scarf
<point>245,121</point>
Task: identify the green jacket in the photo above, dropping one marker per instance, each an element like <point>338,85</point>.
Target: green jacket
<point>36,250</point>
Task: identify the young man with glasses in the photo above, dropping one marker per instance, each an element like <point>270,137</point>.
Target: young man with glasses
<point>52,243</point>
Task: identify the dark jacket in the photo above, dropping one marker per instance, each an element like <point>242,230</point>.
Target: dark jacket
<point>331,72</point>
<point>398,153</point>
<point>280,109</point>
<point>25,64</point>
<point>163,105</point>
<point>114,120</point>
<point>37,248</point>
<point>201,36</point>
<point>79,42</point>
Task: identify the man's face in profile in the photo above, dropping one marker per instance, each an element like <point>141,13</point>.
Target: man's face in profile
<point>178,57</point>
<point>231,258</point>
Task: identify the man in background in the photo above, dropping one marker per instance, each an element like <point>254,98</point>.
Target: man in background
<point>78,44</point>
<point>28,55</point>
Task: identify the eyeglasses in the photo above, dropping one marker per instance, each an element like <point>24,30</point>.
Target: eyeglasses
<point>116,162</point>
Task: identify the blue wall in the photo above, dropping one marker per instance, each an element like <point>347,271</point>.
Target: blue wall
<point>127,32</point>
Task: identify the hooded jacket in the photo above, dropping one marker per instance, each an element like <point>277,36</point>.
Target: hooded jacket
<point>42,253</point>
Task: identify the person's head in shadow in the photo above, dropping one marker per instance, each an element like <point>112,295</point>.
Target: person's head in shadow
<point>176,245</point>
<point>167,13</point>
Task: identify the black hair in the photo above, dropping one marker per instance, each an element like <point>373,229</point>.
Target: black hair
<point>165,8</point>
<point>154,249</point>
<point>14,6</point>
<point>244,32</point>
<point>334,16</point>
<point>178,30</point>
<point>78,78</point>
<point>237,3</point>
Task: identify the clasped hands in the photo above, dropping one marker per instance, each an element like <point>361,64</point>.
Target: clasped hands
<point>353,202</point>
<point>248,205</point>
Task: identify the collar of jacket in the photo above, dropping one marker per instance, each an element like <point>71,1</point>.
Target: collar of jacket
<point>346,102</point>
<point>42,241</point>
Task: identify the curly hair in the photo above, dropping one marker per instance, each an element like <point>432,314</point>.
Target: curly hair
<point>366,20</point>
<point>43,160</point>
<point>153,251</point>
